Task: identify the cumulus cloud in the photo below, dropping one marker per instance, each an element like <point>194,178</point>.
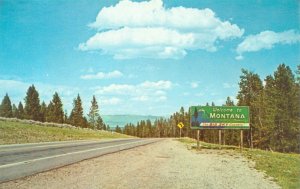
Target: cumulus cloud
<point>102,75</point>
<point>148,29</point>
<point>110,101</point>
<point>145,91</point>
<point>266,40</point>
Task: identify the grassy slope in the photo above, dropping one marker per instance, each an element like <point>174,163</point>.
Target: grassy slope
<point>284,168</point>
<point>15,132</point>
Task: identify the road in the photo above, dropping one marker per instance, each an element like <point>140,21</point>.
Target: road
<point>22,160</point>
<point>164,164</point>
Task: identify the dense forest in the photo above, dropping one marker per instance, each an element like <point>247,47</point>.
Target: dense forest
<point>274,113</point>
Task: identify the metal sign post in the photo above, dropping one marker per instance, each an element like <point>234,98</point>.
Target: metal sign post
<point>198,138</point>
<point>220,139</point>
<point>180,125</point>
<point>241,147</point>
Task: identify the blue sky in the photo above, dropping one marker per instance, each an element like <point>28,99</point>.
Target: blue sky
<point>142,57</point>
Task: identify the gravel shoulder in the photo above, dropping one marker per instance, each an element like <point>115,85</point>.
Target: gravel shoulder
<point>165,164</point>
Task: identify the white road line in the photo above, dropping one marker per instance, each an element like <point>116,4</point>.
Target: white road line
<point>61,155</point>
<point>15,147</point>
<point>42,144</point>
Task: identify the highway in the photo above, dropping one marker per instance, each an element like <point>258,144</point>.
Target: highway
<point>20,160</point>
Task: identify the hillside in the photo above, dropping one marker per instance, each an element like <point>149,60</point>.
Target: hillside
<point>13,132</point>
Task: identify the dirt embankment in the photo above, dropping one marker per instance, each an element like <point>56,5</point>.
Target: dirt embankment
<point>166,164</point>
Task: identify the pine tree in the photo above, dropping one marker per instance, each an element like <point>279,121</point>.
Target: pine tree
<point>43,112</point>
<point>250,94</point>
<point>5,107</point>
<point>118,129</point>
<point>32,104</point>
<point>229,102</point>
<point>100,124</point>
<point>14,111</point>
<point>55,110</point>
<point>268,114</point>
<point>20,114</point>
<point>93,114</point>
<point>66,119</point>
<point>76,116</point>
<point>286,122</point>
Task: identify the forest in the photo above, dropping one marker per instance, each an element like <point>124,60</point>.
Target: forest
<point>274,113</point>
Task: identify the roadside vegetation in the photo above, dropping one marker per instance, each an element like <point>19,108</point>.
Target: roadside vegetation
<point>12,132</point>
<point>282,167</point>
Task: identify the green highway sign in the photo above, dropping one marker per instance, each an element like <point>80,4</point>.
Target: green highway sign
<point>219,117</point>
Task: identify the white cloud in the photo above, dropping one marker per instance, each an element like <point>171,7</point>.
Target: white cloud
<point>116,89</point>
<point>142,98</point>
<point>156,85</point>
<point>148,29</point>
<point>102,75</point>
<point>194,85</point>
<point>266,40</point>
<point>145,91</point>
<point>110,101</point>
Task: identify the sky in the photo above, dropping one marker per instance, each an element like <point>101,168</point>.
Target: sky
<point>142,57</point>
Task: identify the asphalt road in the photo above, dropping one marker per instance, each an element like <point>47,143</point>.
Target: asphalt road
<point>22,160</point>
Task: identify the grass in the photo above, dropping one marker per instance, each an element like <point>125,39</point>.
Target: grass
<point>17,132</point>
<point>283,167</point>
<point>205,145</point>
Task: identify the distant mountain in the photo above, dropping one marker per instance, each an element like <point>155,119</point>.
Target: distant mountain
<point>122,120</point>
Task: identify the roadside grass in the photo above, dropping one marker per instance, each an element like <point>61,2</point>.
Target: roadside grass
<point>17,132</point>
<point>283,167</point>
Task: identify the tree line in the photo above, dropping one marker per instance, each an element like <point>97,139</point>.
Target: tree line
<point>274,114</point>
<point>53,112</point>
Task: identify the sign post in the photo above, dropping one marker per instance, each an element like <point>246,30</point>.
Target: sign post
<point>198,138</point>
<point>180,125</point>
<point>241,147</point>
<point>220,139</point>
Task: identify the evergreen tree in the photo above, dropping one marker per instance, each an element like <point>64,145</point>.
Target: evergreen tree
<point>93,114</point>
<point>118,129</point>
<point>229,102</point>
<point>286,120</point>
<point>55,111</point>
<point>66,120</point>
<point>76,116</point>
<point>5,107</point>
<point>100,124</point>
<point>250,94</point>
<point>32,104</point>
<point>14,111</point>
<point>20,114</point>
<point>43,112</point>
